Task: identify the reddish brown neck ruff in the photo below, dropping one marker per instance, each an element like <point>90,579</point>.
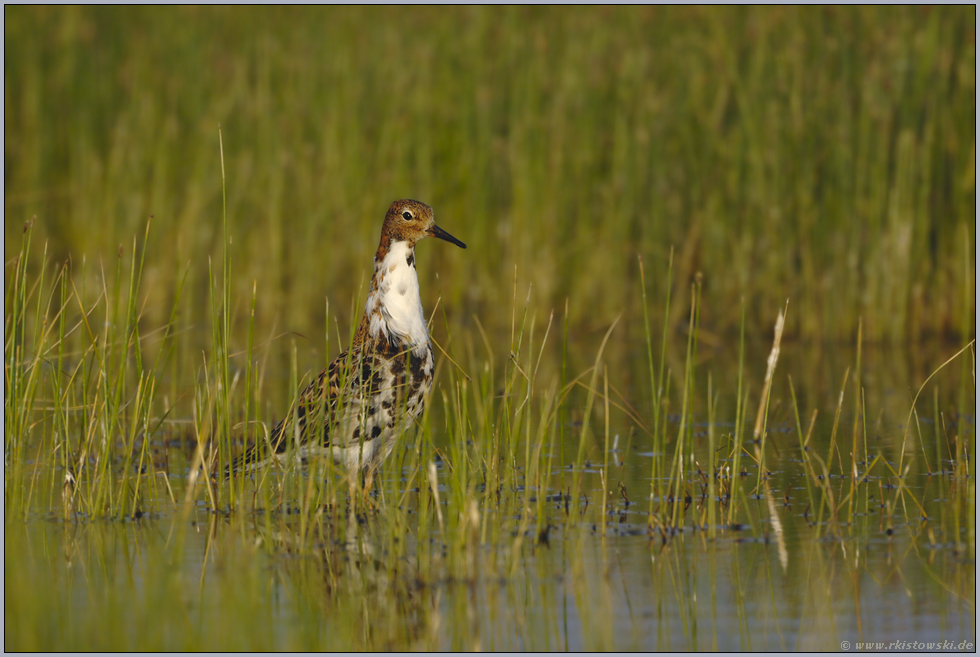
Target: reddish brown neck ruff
<point>393,311</point>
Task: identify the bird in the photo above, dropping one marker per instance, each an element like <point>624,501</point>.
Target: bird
<point>356,409</point>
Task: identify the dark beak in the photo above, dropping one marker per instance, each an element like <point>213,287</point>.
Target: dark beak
<point>435,231</point>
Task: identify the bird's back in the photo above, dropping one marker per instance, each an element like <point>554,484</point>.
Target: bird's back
<point>352,411</point>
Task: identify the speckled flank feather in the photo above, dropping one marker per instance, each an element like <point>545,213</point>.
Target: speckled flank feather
<point>373,393</point>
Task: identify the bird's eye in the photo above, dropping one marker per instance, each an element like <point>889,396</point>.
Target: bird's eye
<point>407,215</point>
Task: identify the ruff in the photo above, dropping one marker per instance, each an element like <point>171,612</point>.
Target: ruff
<point>357,408</point>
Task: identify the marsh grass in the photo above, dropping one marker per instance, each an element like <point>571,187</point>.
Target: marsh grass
<point>479,498</point>
<point>516,516</point>
<point>85,358</point>
<point>822,154</point>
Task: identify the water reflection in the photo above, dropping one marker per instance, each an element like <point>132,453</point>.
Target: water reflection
<point>825,546</point>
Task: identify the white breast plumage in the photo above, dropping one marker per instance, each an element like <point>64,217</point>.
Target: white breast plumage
<point>401,319</point>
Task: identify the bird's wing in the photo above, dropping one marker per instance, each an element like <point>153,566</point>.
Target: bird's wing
<point>321,394</point>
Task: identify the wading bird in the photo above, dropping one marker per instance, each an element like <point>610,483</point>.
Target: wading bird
<point>358,407</point>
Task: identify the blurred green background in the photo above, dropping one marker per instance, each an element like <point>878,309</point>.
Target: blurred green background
<point>824,155</point>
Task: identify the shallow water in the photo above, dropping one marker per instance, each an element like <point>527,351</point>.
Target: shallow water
<point>588,588</point>
<point>785,576</point>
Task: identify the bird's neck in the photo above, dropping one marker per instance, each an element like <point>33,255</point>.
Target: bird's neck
<point>394,309</point>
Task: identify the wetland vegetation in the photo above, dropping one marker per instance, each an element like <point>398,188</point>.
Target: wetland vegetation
<point>618,453</point>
